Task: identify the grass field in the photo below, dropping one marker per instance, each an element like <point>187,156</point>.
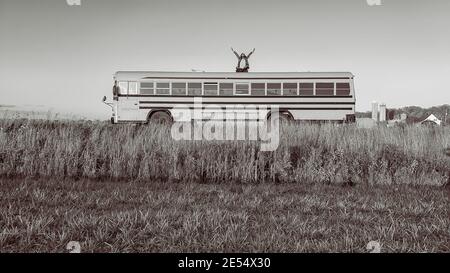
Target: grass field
<point>132,189</point>
<point>307,154</point>
<point>43,216</point>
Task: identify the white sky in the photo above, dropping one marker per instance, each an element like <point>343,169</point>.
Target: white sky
<point>57,56</point>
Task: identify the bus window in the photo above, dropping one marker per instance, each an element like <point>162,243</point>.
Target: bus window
<point>162,88</point>
<point>123,86</point>
<point>226,89</point>
<point>274,89</point>
<point>324,89</point>
<point>343,89</point>
<point>242,88</point>
<point>306,89</point>
<point>289,89</point>
<point>179,89</point>
<point>132,88</point>
<point>147,88</point>
<point>194,89</point>
<point>258,89</point>
<point>211,89</point>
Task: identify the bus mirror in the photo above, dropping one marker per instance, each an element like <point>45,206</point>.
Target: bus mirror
<point>104,98</point>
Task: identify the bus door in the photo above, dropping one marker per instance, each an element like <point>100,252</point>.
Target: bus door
<point>128,104</point>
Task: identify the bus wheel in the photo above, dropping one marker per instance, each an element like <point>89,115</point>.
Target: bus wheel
<point>283,118</point>
<point>160,117</point>
<point>286,118</point>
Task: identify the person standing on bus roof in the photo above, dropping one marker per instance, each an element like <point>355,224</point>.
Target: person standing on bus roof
<point>240,59</point>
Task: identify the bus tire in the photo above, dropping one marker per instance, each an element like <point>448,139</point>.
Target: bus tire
<point>160,117</point>
<point>284,117</point>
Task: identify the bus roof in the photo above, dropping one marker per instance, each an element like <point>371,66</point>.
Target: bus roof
<point>139,75</point>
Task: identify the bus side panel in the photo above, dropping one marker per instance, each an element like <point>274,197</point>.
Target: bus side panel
<point>143,115</point>
<point>339,115</point>
<point>127,109</point>
<point>183,115</point>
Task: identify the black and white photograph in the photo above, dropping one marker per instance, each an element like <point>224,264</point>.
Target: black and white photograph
<point>224,127</point>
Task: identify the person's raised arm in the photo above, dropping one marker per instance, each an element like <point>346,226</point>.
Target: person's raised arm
<point>235,53</point>
<point>250,54</point>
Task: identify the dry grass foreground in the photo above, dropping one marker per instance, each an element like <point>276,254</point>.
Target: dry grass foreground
<point>44,216</point>
<point>132,189</point>
<point>329,154</point>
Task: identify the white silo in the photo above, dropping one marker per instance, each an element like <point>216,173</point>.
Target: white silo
<point>375,111</point>
<point>382,112</point>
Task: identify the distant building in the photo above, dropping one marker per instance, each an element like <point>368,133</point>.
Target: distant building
<point>399,119</point>
<point>382,112</point>
<point>366,123</point>
<point>432,119</point>
<point>375,111</point>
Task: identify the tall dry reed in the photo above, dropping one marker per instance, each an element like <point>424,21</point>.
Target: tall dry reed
<point>307,154</point>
